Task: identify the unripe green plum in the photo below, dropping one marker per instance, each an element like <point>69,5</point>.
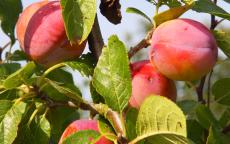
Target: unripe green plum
<point>183,49</point>
<point>41,34</point>
<point>83,124</point>
<point>146,80</point>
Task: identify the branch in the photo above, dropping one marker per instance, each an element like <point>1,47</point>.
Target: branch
<point>95,39</point>
<point>101,109</point>
<point>199,90</point>
<point>2,48</point>
<point>142,44</point>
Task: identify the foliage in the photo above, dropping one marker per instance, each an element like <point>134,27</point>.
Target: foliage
<point>37,103</point>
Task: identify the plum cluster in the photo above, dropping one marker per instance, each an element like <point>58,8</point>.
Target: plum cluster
<point>181,49</point>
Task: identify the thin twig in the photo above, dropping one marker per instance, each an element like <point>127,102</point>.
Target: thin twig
<point>199,90</point>
<point>2,49</point>
<point>142,44</point>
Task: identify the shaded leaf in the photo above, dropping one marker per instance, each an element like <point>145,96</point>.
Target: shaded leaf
<point>221,91</point>
<point>205,117</point>
<point>223,41</point>
<point>207,6</point>
<point>195,132</point>
<point>138,12</point>
<point>130,123</point>
<point>214,136</point>
<point>67,90</point>
<point>9,13</point>
<point>6,69</point>
<point>60,118</point>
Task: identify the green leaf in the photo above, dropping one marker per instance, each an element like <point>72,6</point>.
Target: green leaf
<point>214,136</point>
<point>11,117</point>
<point>6,69</point>
<point>223,41</point>
<point>21,76</point>
<point>67,90</point>
<point>195,132</point>
<point>188,107</point>
<point>60,75</point>
<point>106,129</point>
<point>82,137</point>
<point>97,98</point>
<point>205,117</point>
<point>130,121</point>
<point>160,121</point>
<point>228,1</point>
<point>112,77</point>
<point>138,12</point>
<point>83,68</point>
<point>38,132</point>
<point>9,13</point>
<point>207,6</point>
<point>78,17</point>
<point>224,119</point>
<point>221,91</point>
<point>9,94</point>
<point>60,118</point>
<point>171,14</point>
<point>18,55</point>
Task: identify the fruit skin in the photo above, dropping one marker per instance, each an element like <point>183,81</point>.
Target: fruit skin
<point>146,80</point>
<point>41,34</point>
<point>83,124</point>
<point>183,49</point>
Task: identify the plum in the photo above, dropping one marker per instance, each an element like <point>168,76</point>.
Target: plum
<point>146,80</point>
<point>41,33</point>
<point>183,49</point>
<point>83,124</point>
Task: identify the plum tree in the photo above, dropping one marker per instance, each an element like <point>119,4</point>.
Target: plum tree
<point>83,124</point>
<point>183,49</point>
<point>41,34</point>
<point>146,80</point>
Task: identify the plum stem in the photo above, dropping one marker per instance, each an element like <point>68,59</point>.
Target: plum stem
<point>95,40</point>
<point>142,44</point>
<point>199,90</point>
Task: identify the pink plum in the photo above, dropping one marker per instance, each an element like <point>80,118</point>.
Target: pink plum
<point>83,124</point>
<point>146,80</point>
<point>41,34</point>
<point>183,49</point>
